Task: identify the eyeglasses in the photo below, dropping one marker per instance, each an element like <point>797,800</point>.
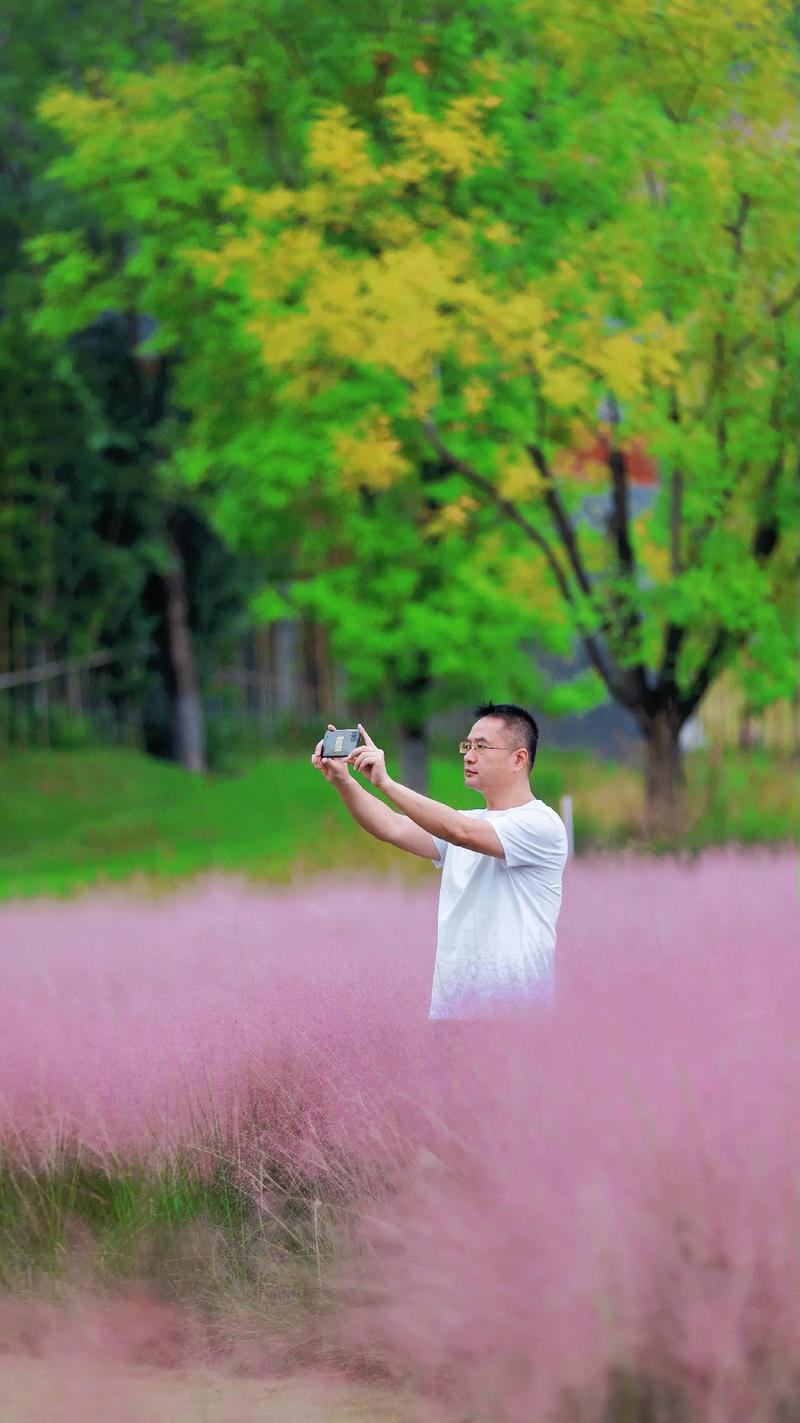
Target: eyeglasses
<point>465,746</point>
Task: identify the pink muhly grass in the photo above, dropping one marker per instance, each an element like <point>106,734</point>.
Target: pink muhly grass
<point>624,1186</point>
<point>613,1187</point>
<point>135,1028</point>
<point>129,1357</point>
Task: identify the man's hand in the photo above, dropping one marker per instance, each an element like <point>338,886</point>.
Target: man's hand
<point>370,761</point>
<point>333,768</point>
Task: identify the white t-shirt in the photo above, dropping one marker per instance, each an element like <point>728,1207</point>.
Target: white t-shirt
<point>497,917</point>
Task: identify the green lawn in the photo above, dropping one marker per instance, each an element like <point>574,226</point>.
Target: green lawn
<point>77,818</point>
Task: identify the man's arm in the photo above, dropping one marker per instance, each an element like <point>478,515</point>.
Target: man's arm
<point>440,820</point>
<point>383,822</point>
<point>444,822</point>
<point>372,814</point>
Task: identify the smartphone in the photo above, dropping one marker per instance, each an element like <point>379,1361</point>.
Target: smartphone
<point>340,743</point>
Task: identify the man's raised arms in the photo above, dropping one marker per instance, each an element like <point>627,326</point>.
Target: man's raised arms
<point>422,818</point>
<point>373,815</point>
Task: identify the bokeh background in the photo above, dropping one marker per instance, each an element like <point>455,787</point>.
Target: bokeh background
<point>364,365</point>
<point>361,363</point>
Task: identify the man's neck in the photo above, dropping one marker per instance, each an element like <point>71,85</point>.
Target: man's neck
<point>507,800</point>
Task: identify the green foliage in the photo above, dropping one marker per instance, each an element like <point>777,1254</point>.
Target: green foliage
<point>391,321</point>
<point>741,799</point>
<point>136,1222</point>
<point>403,265</point>
<point>78,527</point>
<point>159,155</point>
<point>85,510</point>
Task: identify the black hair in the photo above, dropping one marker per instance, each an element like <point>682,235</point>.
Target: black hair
<point>519,722</point>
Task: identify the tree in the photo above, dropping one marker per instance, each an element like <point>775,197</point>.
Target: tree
<point>424,611</point>
<point>503,234</point>
<point>464,288</point>
<point>154,157</point>
<point>97,547</point>
<point>78,509</point>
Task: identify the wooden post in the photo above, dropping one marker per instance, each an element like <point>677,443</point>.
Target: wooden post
<point>566,815</point>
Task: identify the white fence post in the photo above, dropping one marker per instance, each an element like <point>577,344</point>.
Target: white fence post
<point>566,816</point>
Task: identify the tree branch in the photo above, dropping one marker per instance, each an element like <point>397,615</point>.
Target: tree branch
<point>765,541</point>
<point>719,648</point>
<point>630,617</point>
<point>780,309</point>
<point>621,512</point>
<point>673,641</point>
<point>609,674</point>
<point>634,683</point>
<point>511,512</point>
<point>766,536</point>
<point>675,506</point>
<point>774,313</point>
<point>560,518</point>
<point>701,534</point>
<point>736,229</point>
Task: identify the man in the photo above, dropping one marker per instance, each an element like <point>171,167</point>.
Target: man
<point>500,894</point>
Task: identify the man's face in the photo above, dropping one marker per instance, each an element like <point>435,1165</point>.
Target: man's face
<point>496,766</point>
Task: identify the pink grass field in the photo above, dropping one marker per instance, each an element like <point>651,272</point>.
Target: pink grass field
<point>615,1187</point>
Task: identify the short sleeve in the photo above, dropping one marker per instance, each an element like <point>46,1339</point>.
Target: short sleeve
<point>533,837</point>
<point>441,846</point>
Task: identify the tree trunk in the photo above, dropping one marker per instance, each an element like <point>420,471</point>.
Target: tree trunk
<point>41,697</point>
<point>748,732</point>
<point>412,692</point>
<point>22,699</point>
<point>285,646</point>
<point>322,671</point>
<point>261,655</point>
<point>414,758</point>
<point>74,691</point>
<point>6,703</point>
<point>665,808</point>
<point>5,630</point>
<point>189,740</point>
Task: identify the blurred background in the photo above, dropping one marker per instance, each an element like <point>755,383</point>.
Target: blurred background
<point>364,363</point>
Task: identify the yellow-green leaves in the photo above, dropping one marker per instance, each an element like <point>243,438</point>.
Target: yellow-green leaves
<point>688,56</point>
<point>370,456</point>
<point>369,263</point>
<point>455,145</point>
<point>338,150</point>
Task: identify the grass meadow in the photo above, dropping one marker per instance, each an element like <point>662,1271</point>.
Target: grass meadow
<point>76,819</point>
<point>231,1138</point>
